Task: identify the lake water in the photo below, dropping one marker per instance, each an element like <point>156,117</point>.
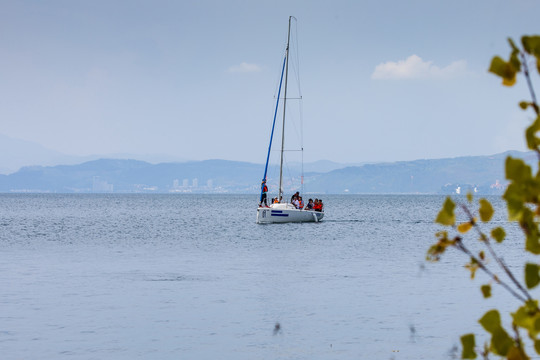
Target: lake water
<point>194,277</point>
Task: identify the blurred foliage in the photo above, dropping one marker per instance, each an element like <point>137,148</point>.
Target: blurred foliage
<point>522,197</point>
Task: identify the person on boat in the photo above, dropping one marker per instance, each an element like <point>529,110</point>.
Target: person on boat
<point>309,205</point>
<point>300,203</point>
<point>264,194</point>
<point>295,196</point>
<point>275,201</point>
<point>318,205</point>
<point>296,202</point>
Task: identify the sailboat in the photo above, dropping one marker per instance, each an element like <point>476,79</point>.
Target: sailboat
<point>282,211</point>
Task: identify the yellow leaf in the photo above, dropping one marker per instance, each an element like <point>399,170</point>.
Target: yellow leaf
<point>516,353</point>
<point>446,216</point>
<point>463,228</point>
<point>509,81</point>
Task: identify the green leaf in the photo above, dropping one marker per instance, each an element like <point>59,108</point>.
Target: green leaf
<point>528,317</point>
<point>468,344</point>
<point>486,290</point>
<point>446,216</point>
<point>513,45</point>
<point>516,353</point>
<point>517,170</point>
<point>491,321</point>
<point>537,346</point>
<point>531,44</point>
<point>486,210</point>
<point>503,69</point>
<point>536,322</point>
<point>532,275</point>
<point>498,234</point>
<point>530,135</point>
<point>501,342</point>
<point>530,228</point>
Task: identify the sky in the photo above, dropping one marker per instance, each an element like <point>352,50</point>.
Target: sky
<point>380,80</point>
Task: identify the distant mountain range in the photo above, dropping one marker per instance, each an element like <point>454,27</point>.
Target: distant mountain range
<point>17,153</point>
<point>484,174</point>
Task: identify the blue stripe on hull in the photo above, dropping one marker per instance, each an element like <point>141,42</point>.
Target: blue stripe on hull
<point>278,214</point>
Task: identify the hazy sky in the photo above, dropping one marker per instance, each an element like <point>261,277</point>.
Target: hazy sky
<point>381,80</point>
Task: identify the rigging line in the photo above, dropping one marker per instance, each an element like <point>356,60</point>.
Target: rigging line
<point>296,55</point>
<point>300,105</point>
<point>276,85</point>
<point>289,172</point>
<point>294,183</point>
<point>296,71</point>
<point>298,58</point>
<point>295,64</point>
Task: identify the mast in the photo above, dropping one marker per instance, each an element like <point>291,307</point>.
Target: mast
<point>284,108</point>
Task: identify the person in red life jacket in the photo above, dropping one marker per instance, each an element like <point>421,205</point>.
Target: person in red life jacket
<point>318,206</point>
<point>264,194</point>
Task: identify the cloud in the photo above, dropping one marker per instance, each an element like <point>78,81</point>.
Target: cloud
<point>244,68</point>
<point>416,68</point>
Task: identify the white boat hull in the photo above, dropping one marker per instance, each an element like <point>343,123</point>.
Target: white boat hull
<point>283,213</point>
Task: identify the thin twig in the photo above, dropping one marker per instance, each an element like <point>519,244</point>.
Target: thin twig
<point>529,83</point>
<point>519,343</point>
<point>499,261</point>
<point>507,271</point>
<point>459,245</point>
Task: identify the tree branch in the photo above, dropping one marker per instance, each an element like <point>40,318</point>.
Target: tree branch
<point>499,261</point>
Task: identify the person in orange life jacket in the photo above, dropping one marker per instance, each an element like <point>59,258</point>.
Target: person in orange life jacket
<point>264,194</point>
<point>300,203</point>
<point>318,205</point>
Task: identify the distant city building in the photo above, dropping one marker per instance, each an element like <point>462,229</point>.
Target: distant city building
<point>210,184</point>
<point>175,184</point>
<point>101,186</point>
<point>195,182</point>
<point>497,185</point>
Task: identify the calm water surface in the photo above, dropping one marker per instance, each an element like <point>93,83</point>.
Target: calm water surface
<point>193,277</point>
